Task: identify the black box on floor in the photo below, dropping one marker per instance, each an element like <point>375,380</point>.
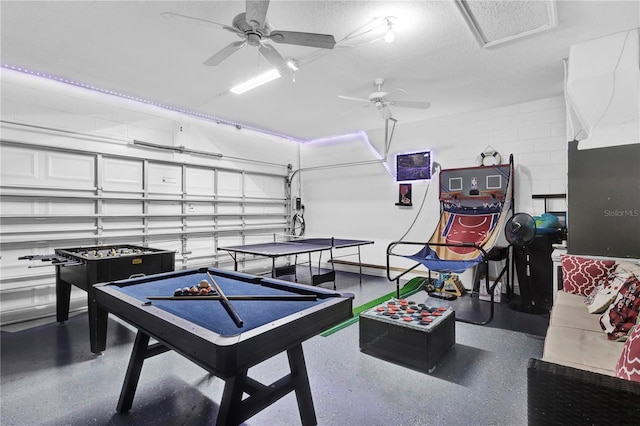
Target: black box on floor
<point>408,343</point>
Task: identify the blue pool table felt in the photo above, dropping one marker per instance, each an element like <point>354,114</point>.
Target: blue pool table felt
<point>211,314</point>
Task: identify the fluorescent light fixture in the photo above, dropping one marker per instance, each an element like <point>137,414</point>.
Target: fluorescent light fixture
<point>255,82</point>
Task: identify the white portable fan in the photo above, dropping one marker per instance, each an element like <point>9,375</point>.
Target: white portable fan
<point>382,100</point>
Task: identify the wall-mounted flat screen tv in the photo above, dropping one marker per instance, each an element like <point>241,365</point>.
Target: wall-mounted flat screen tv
<point>413,166</point>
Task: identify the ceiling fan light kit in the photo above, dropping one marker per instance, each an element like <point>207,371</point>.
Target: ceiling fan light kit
<point>390,36</point>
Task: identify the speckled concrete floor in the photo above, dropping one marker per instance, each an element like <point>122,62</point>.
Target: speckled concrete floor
<point>50,377</point>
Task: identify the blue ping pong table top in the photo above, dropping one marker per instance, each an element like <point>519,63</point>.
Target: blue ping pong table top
<point>304,245</point>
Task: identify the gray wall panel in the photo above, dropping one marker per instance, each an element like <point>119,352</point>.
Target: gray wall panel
<point>604,201</point>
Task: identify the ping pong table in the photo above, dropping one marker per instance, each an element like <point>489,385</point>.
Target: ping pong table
<point>295,247</point>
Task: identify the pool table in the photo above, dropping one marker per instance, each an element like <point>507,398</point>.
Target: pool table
<point>278,317</point>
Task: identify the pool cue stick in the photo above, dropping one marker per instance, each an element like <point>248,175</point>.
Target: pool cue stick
<point>301,297</point>
<point>225,302</point>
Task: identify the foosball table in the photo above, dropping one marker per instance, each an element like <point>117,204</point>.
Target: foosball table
<point>85,266</point>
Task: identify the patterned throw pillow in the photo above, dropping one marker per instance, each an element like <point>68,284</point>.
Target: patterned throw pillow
<point>591,297</point>
<point>621,315</point>
<point>632,268</point>
<point>605,292</point>
<point>580,275</point>
<point>628,366</point>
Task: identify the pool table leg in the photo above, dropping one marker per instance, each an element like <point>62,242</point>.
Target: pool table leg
<point>301,386</point>
<point>133,373</point>
<point>230,407</point>
<point>141,351</point>
<point>234,410</point>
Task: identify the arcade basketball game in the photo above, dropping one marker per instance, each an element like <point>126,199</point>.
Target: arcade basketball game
<point>475,203</point>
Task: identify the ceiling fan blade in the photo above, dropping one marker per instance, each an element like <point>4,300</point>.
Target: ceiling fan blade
<point>349,98</point>
<point>322,41</point>
<point>396,90</point>
<point>171,15</point>
<point>225,53</point>
<point>257,13</point>
<point>274,58</point>
<point>411,104</point>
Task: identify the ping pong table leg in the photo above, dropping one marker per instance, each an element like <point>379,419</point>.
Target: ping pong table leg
<point>360,264</point>
<point>274,274</point>
<point>234,256</point>
<point>333,265</point>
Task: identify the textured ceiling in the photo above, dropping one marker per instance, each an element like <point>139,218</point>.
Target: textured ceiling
<point>129,47</point>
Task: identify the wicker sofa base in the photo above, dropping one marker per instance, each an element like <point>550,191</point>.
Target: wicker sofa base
<point>569,396</point>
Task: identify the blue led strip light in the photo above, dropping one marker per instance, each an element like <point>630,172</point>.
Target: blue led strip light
<point>145,101</point>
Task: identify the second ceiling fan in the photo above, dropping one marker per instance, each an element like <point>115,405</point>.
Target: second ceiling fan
<point>381,100</point>
<point>252,26</point>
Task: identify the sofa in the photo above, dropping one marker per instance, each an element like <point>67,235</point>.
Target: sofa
<point>589,373</point>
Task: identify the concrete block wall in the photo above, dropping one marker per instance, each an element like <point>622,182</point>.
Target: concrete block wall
<point>364,197</point>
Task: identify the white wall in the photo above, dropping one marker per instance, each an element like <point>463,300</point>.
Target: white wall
<point>358,201</point>
<point>603,90</point>
<point>59,140</point>
<point>115,122</point>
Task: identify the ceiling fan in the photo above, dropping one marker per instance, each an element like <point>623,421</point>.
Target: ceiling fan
<point>380,100</point>
<point>253,27</point>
